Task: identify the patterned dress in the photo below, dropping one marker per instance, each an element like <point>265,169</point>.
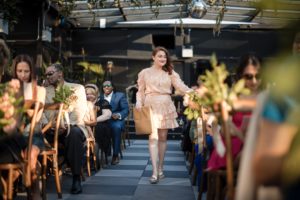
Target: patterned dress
<point>154,90</point>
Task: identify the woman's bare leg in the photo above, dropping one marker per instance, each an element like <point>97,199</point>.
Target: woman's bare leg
<point>162,146</point>
<point>153,149</point>
<point>35,151</point>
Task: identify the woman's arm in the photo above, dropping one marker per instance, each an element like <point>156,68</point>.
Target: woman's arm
<point>106,115</point>
<point>90,118</point>
<point>140,95</point>
<point>178,83</point>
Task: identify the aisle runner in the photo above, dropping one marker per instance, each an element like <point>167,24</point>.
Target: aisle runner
<point>129,179</point>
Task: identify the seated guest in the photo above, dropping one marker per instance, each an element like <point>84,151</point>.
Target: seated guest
<point>103,130</point>
<point>74,141</point>
<point>23,70</point>
<point>90,116</point>
<point>119,108</point>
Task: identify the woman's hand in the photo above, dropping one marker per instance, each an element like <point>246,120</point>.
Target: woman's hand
<point>138,107</point>
<point>93,123</point>
<point>188,103</point>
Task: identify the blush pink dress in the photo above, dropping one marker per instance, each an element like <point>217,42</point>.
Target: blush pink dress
<point>154,90</point>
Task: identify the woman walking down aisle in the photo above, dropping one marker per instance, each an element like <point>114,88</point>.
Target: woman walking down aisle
<point>154,90</point>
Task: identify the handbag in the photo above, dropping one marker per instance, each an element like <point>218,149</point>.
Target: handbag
<point>143,120</point>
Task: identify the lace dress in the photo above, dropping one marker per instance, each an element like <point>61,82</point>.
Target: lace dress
<point>154,90</point>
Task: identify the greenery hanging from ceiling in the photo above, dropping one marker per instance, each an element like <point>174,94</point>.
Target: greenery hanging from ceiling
<point>10,12</point>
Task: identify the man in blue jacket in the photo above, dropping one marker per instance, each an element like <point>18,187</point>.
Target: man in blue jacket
<point>120,109</point>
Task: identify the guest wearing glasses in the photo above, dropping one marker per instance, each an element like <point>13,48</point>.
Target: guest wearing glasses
<point>119,109</point>
<point>74,141</point>
<point>249,70</point>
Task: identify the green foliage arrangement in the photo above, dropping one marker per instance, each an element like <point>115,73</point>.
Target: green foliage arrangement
<point>64,94</point>
<point>216,90</point>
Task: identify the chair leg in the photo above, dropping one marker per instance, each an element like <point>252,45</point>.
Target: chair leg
<point>88,167</point>
<point>4,187</point>
<point>123,145</point>
<point>121,154</point>
<point>82,175</point>
<point>106,159</point>
<point>57,181</point>
<point>209,192</point>
<point>218,187</point>
<point>201,189</point>
<point>195,174</point>
<point>192,159</point>
<point>128,138</point>
<point>101,158</point>
<point>10,184</point>
<point>44,177</point>
<point>187,154</point>
<point>93,149</point>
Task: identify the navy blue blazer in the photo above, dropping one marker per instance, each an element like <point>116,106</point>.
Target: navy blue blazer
<point>118,104</point>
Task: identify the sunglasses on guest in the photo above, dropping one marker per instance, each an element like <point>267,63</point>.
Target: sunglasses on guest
<point>50,73</point>
<point>107,85</point>
<point>251,76</point>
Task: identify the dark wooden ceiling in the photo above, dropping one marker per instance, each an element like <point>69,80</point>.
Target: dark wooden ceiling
<point>285,11</point>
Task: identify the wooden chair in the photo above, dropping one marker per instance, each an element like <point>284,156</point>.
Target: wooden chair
<point>24,168</point>
<point>52,153</point>
<point>214,186</point>
<point>7,183</point>
<point>90,149</point>
<point>125,133</point>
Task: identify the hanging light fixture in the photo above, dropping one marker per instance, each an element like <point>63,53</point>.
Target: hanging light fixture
<point>198,9</point>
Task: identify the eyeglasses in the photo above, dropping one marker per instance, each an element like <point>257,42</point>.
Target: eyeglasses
<point>251,76</point>
<point>50,73</point>
<point>107,85</point>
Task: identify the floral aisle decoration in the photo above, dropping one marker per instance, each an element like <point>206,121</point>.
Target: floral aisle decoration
<point>215,91</point>
<point>217,96</point>
<point>10,106</point>
<point>64,94</point>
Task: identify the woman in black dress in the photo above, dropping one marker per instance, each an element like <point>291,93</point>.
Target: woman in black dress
<point>103,131</point>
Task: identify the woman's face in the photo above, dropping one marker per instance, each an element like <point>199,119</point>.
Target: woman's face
<point>160,59</point>
<point>23,71</point>
<point>90,95</point>
<point>251,77</point>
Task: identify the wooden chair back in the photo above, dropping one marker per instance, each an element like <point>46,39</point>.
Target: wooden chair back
<point>52,154</point>
<point>32,108</point>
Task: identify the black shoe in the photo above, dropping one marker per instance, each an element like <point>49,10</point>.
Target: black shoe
<point>76,187</point>
<point>115,160</point>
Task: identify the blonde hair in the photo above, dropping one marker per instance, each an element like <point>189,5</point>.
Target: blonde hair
<point>92,88</point>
